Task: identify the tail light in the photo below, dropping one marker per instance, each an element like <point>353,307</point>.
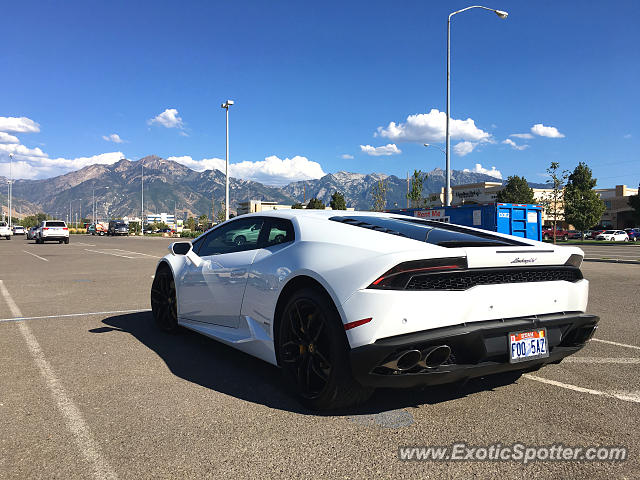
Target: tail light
<point>399,276</point>
<point>65,228</point>
<point>45,228</point>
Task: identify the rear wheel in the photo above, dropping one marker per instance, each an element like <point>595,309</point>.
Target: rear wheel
<point>313,352</point>
<point>565,237</point>
<point>163,300</point>
<point>66,240</point>
<point>240,240</point>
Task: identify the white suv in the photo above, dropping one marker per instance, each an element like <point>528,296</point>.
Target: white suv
<point>5,231</point>
<point>53,230</point>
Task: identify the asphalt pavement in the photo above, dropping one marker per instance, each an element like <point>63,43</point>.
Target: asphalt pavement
<point>90,389</point>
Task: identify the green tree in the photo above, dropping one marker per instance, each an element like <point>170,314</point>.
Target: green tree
<point>203,220</point>
<point>415,191</point>
<point>583,207</point>
<point>190,223</point>
<point>297,205</point>
<point>222,211</point>
<point>379,195</point>
<point>516,190</point>
<point>316,204</point>
<point>634,202</point>
<point>553,201</point>
<point>338,202</point>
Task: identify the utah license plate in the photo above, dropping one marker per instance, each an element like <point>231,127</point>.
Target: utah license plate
<point>529,345</point>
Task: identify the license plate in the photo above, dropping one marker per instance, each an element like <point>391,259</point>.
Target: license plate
<point>528,345</point>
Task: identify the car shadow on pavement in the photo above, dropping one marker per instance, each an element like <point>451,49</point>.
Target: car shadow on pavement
<point>211,364</point>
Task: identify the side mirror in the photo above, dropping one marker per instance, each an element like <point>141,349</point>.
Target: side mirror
<point>180,248</point>
<point>185,248</point>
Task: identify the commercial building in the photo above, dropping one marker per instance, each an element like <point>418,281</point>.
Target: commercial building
<point>253,206</point>
<point>618,213</point>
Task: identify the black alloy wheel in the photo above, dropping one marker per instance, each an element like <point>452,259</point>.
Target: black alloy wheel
<point>313,353</point>
<point>163,300</point>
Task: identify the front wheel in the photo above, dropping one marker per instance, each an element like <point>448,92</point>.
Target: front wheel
<point>565,238</point>
<point>163,300</point>
<point>313,353</point>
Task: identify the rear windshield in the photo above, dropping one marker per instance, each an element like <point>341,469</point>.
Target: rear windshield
<point>436,233</point>
<point>55,224</point>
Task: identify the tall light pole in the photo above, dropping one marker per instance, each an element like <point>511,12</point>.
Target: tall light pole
<point>226,106</point>
<point>501,14</point>
<point>10,188</point>
<point>142,201</point>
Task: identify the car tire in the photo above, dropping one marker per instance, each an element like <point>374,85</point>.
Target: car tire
<point>545,237</point>
<point>315,357</point>
<point>240,240</point>
<point>565,238</point>
<point>66,241</point>
<point>164,305</point>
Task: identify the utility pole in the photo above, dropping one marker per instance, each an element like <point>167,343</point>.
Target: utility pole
<point>407,189</point>
<point>142,201</point>
<point>213,207</point>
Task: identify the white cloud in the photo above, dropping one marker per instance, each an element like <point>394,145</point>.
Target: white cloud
<point>114,137</point>
<point>527,136</point>
<point>464,148</point>
<point>169,119</point>
<point>430,128</point>
<point>480,169</point>
<point>18,149</point>
<point>346,156</point>
<point>514,145</point>
<point>381,151</point>
<point>6,138</point>
<point>271,171</point>
<point>18,124</point>
<point>541,130</point>
<point>627,136</point>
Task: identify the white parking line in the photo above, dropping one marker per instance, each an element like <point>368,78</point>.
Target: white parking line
<point>136,253</point>
<point>75,422</point>
<point>625,396</point>
<point>37,256</point>
<point>110,253</point>
<point>615,343</point>
<point>18,319</point>
<point>613,360</point>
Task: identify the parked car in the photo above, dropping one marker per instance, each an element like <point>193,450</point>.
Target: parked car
<point>595,233</point>
<point>574,235</point>
<point>53,231</point>
<point>613,236</point>
<point>118,227</point>
<point>337,300</point>
<point>633,234</point>
<point>18,230</point>
<point>31,233</point>
<point>547,234</point>
<point>5,231</point>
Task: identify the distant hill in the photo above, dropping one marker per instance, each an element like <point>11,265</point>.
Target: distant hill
<point>170,185</point>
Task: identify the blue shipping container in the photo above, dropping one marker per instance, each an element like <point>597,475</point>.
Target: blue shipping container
<point>519,220</point>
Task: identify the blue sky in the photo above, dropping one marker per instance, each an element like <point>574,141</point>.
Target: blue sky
<point>318,85</point>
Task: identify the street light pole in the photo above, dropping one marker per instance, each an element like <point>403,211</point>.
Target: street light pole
<point>226,106</point>
<point>502,15</point>
<point>10,185</point>
<point>142,201</point>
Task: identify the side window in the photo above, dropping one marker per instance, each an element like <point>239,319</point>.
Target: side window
<point>236,236</point>
<point>280,231</point>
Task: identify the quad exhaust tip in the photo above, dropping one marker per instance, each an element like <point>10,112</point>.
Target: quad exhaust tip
<point>430,358</point>
<point>435,356</point>
<point>404,360</point>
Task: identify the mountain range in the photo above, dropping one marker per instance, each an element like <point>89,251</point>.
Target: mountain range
<point>170,186</point>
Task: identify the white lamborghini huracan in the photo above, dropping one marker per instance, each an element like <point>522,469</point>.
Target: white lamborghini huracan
<point>348,301</point>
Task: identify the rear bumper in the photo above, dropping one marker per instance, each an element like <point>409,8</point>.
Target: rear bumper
<point>477,349</point>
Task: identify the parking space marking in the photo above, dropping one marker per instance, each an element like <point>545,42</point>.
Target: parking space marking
<point>75,422</point>
<point>18,319</point>
<point>620,361</point>
<point>608,342</point>
<point>110,253</point>
<point>37,256</point>
<point>625,396</point>
<point>137,253</point>
<point>82,244</point>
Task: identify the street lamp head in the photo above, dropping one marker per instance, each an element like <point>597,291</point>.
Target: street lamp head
<point>502,14</point>
<point>227,104</point>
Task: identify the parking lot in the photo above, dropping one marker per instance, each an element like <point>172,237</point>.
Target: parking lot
<point>90,389</point>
